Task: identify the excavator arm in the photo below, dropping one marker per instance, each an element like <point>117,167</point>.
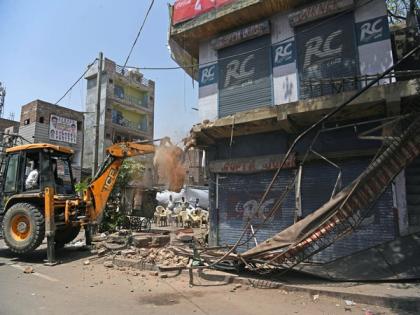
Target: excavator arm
<point>100,188</point>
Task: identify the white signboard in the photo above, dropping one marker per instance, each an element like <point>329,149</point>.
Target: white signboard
<point>63,129</point>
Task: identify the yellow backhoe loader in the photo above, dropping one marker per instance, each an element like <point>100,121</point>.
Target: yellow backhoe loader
<point>38,196</point>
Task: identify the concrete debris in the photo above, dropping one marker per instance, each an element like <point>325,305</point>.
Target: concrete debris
<point>79,243</point>
<point>28,269</point>
<point>154,273</point>
<point>86,262</point>
<point>163,276</point>
<point>108,264</point>
<point>349,302</point>
<point>101,252</point>
<point>315,297</point>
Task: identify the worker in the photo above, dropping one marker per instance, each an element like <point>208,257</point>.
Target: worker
<point>197,203</point>
<point>31,181</point>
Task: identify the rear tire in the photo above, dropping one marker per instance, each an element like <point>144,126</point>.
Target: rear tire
<point>23,228</point>
<point>62,237</point>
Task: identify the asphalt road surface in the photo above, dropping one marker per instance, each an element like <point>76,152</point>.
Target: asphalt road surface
<point>75,288</point>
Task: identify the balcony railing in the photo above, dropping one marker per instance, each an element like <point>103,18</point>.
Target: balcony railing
<point>132,100</point>
<point>321,87</point>
<point>134,75</point>
<point>121,121</point>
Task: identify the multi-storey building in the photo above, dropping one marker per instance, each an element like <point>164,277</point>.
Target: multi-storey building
<point>267,71</point>
<point>41,121</point>
<point>127,108</point>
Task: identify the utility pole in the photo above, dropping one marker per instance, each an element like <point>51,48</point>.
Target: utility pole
<point>2,96</point>
<point>98,113</point>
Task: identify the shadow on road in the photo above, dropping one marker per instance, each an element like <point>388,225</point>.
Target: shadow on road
<point>64,255</point>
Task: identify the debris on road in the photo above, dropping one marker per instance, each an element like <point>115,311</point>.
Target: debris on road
<point>108,264</point>
<point>28,269</point>
<point>315,297</point>
<point>86,262</point>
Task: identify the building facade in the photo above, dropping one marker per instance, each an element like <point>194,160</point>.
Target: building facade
<point>127,108</point>
<point>41,121</point>
<point>267,76</point>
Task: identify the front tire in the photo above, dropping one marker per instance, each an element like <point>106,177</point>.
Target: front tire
<point>23,228</point>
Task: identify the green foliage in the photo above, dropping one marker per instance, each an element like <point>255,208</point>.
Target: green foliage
<point>81,186</point>
<point>398,9</point>
<point>114,215</point>
<point>130,169</point>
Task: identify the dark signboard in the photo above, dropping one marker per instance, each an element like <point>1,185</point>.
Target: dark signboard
<point>326,51</point>
<point>373,30</point>
<point>318,10</point>
<point>252,164</point>
<point>241,35</point>
<point>208,75</point>
<point>283,53</point>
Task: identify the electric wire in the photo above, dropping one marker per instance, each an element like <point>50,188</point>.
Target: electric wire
<point>77,81</point>
<point>139,32</point>
<point>287,39</point>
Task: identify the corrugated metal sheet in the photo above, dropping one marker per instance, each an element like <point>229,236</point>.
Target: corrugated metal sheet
<point>326,50</point>
<point>317,184</point>
<point>27,132</point>
<point>245,78</point>
<point>239,195</point>
<point>412,176</point>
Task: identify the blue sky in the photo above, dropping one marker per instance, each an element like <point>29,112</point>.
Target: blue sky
<point>45,45</point>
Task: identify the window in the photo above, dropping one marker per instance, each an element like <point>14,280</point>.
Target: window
<point>119,91</point>
<point>10,182</point>
<point>91,83</point>
<point>26,122</point>
<point>41,120</point>
<point>62,175</point>
<point>32,171</point>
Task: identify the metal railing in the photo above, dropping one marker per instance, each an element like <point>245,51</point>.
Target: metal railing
<point>133,74</point>
<point>129,124</point>
<point>132,100</point>
<point>320,87</point>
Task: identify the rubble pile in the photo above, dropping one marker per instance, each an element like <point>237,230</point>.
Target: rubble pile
<point>144,248</point>
<point>159,256</point>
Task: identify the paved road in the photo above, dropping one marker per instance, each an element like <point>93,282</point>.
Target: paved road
<point>75,288</point>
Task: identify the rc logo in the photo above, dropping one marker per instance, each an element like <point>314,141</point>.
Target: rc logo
<point>316,47</point>
<point>239,70</point>
<point>370,30</point>
<point>373,30</point>
<point>208,75</point>
<point>283,53</point>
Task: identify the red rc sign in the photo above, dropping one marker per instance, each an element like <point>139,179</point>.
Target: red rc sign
<point>184,10</point>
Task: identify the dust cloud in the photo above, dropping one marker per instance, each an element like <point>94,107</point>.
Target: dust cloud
<point>169,163</point>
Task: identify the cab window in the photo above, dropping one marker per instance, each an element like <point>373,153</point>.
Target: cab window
<point>11,173</point>
<point>62,175</point>
<point>32,170</point>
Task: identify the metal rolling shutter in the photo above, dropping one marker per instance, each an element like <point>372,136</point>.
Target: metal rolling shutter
<point>237,195</point>
<point>245,78</point>
<point>326,49</point>
<point>317,183</point>
<point>412,177</point>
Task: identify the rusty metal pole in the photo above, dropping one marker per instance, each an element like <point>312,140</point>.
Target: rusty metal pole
<point>50,226</point>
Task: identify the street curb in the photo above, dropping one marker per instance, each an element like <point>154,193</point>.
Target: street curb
<point>402,303</point>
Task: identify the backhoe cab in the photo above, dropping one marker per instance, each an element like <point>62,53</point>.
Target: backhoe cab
<point>38,197</point>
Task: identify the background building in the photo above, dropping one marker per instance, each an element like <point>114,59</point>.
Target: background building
<point>127,108</point>
<point>270,69</point>
<point>45,122</point>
